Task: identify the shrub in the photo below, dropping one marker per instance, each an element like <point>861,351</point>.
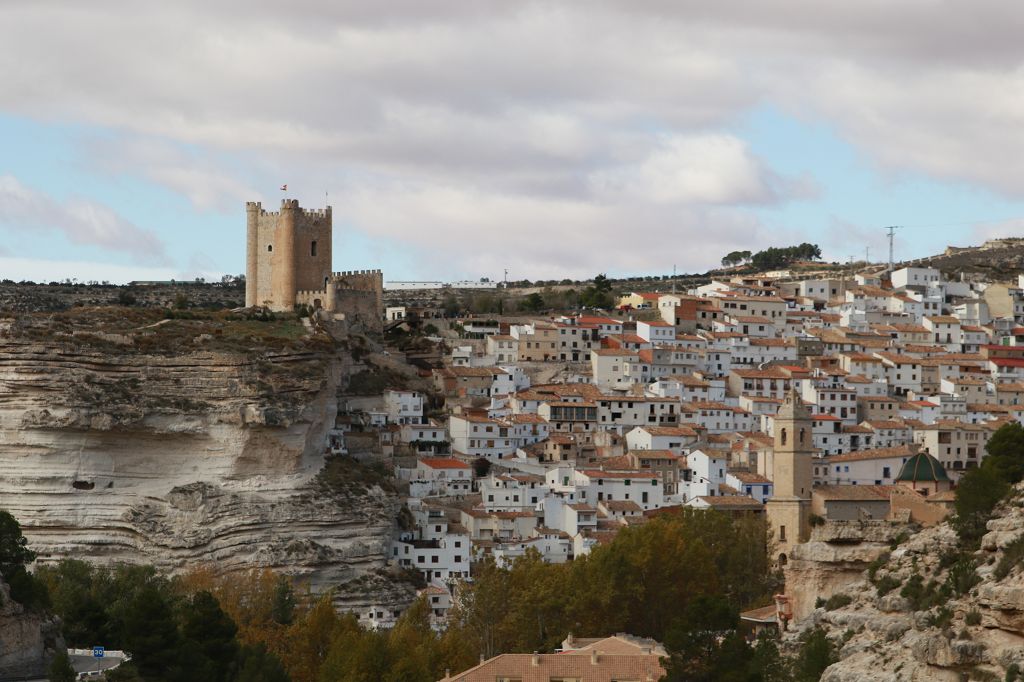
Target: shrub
<point>877,564</point>
<point>962,576</point>
<point>1012,555</point>
<point>816,520</point>
<point>837,601</point>
<point>886,585</point>
<point>973,617</point>
<point>941,618</point>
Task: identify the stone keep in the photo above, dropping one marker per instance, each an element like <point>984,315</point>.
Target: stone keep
<point>789,508</point>
<point>287,251</point>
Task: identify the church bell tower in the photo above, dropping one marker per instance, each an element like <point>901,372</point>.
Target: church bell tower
<point>789,508</point>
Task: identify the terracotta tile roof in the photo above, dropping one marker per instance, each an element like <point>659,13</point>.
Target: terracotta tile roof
<point>597,473</point>
<point>732,502</point>
<point>444,463</point>
<point>855,493</point>
<point>876,453</point>
<point>750,478</point>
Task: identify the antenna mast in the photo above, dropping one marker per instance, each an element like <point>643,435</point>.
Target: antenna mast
<point>892,233</point>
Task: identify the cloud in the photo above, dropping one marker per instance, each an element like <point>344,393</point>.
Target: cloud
<point>700,169</point>
<point>82,221</point>
<point>437,123</point>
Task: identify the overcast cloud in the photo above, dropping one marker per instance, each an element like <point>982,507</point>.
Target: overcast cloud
<point>512,134</point>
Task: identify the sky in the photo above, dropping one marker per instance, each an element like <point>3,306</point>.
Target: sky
<point>460,138</point>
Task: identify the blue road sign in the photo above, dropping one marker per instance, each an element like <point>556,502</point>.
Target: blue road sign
<point>98,652</point>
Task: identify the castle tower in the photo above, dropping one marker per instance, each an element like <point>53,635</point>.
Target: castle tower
<point>789,508</point>
<point>286,252</point>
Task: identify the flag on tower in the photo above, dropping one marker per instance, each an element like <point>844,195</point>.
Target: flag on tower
<point>284,188</point>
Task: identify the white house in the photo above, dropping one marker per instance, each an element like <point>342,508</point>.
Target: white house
<point>403,407</point>
<point>441,476</point>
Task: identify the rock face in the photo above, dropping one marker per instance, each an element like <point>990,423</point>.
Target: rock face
<point>927,610</point>
<point>28,640</point>
<point>176,443</point>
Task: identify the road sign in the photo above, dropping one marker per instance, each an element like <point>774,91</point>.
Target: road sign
<point>98,652</point>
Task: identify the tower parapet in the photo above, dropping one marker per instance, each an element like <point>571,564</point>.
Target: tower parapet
<point>286,251</point>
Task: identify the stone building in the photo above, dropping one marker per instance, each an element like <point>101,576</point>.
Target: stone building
<point>789,508</point>
<point>288,263</point>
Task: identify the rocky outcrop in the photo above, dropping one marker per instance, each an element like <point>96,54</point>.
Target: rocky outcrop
<point>926,610</point>
<point>180,442</point>
<point>28,640</point>
<point>836,554</point>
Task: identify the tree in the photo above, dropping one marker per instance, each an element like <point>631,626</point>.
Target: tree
<point>256,664</point>
<point>14,551</point>
<point>816,654</point>
<point>151,635</point>
<point>14,555</point>
<point>1006,453</point>
<point>210,633</point>
<point>534,302</point>
<point>284,601</point>
<point>61,669</point>
<point>481,467</point>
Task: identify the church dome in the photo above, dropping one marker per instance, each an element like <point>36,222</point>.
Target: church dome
<point>923,468</point>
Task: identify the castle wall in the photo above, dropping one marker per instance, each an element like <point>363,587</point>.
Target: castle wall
<point>281,259</point>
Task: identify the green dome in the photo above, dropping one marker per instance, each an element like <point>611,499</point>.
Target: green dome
<point>923,468</point>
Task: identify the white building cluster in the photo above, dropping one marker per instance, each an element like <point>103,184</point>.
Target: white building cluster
<point>672,401</point>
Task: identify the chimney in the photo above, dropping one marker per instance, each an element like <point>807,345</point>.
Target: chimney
<point>482,659</point>
<point>645,650</point>
<point>535,660</point>
<point>593,657</point>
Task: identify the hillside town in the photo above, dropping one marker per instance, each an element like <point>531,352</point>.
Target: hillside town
<point>802,400</point>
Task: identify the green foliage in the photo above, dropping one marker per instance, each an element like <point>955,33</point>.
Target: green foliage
<point>942,617</point>
<point>981,489</point>
<point>774,257</point>
<point>170,636</point>
<point>481,467</point>
<point>735,258</point>
<point>1013,554</point>
<point>962,576</point>
<point>533,303</point>
<point>719,566</point>
<point>976,497</point>
<point>283,608</point>
<point>256,664</point>
<point>816,653</point>
<point>61,669</point>
<point>14,556</point>
<point>877,564</point>
<point>886,584</point>
<point>598,295</point>
<point>923,595</point>
<point>1006,452</point>
<point>837,601</point>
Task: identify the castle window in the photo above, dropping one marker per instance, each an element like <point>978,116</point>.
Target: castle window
<point>270,247</point>
<point>783,436</point>
<point>312,248</point>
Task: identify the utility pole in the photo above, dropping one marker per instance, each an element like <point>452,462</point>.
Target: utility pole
<point>673,278</point>
<point>506,278</point>
<point>892,233</point>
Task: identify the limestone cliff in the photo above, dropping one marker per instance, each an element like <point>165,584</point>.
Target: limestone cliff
<point>924,609</point>
<point>28,640</point>
<point>124,436</point>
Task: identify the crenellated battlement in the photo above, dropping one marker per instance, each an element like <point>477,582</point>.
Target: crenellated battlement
<point>287,204</point>
<point>353,273</point>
